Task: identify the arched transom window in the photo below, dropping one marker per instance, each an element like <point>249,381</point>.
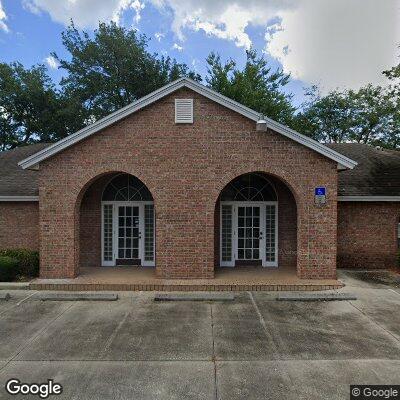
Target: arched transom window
<point>125,187</point>
<point>249,187</point>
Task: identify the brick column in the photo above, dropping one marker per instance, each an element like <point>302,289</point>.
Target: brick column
<point>58,236</point>
<point>317,238</point>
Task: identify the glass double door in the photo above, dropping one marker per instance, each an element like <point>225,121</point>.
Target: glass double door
<point>128,233</point>
<point>248,233</point>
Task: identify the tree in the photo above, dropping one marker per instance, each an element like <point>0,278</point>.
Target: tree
<point>112,69</point>
<point>255,86</point>
<point>393,73</point>
<point>29,106</point>
<point>324,118</point>
<point>368,115</point>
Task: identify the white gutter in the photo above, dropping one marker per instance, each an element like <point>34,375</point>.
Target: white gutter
<point>368,198</point>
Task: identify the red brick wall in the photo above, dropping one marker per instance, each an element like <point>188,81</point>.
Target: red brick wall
<point>367,234</point>
<point>185,167</point>
<point>19,225</point>
<point>287,226</point>
<point>90,224</point>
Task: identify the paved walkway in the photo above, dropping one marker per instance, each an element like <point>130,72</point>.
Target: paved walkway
<point>251,348</point>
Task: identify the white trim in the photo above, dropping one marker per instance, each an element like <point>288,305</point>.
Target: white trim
<point>184,111</point>
<point>116,204</point>
<point>19,198</point>
<point>368,198</point>
<point>234,255</point>
<point>53,149</point>
<point>105,263</point>
<point>230,263</point>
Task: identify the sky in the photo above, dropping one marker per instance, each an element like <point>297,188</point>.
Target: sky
<point>332,43</point>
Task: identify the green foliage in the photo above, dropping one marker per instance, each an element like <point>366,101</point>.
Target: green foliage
<point>8,268</point>
<point>27,261</point>
<point>256,85</point>
<point>393,73</point>
<point>29,106</point>
<point>112,69</point>
<point>369,115</point>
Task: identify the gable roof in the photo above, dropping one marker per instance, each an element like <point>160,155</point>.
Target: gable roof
<point>53,149</point>
<point>377,175</point>
<point>14,181</point>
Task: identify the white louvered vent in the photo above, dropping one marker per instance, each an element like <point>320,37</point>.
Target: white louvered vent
<point>184,111</point>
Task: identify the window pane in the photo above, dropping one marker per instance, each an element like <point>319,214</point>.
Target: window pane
<point>149,232</point>
<point>226,232</point>
<point>107,232</point>
<point>249,187</point>
<point>125,187</point>
<point>270,233</point>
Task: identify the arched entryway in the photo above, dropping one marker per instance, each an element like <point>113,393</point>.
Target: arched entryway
<point>117,223</point>
<point>256,223</point>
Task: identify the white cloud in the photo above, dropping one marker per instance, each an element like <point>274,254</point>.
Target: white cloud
<point>51,62</point>
<point>85,13</point>
<point>177,47</point>
<point>3,19</point>
<point>337,43</point>
<point>137,6</point>
<point>159,36</point>
<point>225,20</point>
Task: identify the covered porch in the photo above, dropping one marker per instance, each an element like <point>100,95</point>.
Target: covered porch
<point>127,278</point>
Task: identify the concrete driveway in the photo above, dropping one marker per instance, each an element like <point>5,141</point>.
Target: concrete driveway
<point>253,348</point>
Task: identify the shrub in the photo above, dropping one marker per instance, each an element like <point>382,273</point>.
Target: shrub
<point>8,268</point>
<point>28,260</point>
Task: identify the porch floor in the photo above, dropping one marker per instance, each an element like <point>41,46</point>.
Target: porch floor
<point>143,278</point>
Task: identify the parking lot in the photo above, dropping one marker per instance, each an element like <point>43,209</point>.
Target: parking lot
<point>253,347</point>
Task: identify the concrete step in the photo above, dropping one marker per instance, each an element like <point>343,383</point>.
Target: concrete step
<point>194,297</point>
<point>182,287</point>
<point>14,285</point>
<point>71,296</point>
<point>315,296</point>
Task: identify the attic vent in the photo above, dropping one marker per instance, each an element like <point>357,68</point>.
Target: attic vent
<point>184,111</point>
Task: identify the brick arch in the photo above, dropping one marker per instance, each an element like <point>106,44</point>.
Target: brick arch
<point>225,179</point>
<point>93,188</point>
<point>288,217</point>
<point>87,180</point>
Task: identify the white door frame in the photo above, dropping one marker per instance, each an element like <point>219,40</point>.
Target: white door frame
<point>234,255</point>
<point>115,205</point>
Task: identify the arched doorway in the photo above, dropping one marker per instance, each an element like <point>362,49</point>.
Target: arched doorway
<point>128,234</point>
<point>116,222</point>
<point>255,223</point>
<point>249,222</point>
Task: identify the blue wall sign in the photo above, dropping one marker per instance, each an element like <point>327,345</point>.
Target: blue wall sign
<point>320,191</point>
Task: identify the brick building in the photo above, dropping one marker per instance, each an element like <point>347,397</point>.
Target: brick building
<point>185,180</point>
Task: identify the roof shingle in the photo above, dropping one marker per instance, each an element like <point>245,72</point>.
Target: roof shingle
<point>377,172</point>
<point>15,181</point>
